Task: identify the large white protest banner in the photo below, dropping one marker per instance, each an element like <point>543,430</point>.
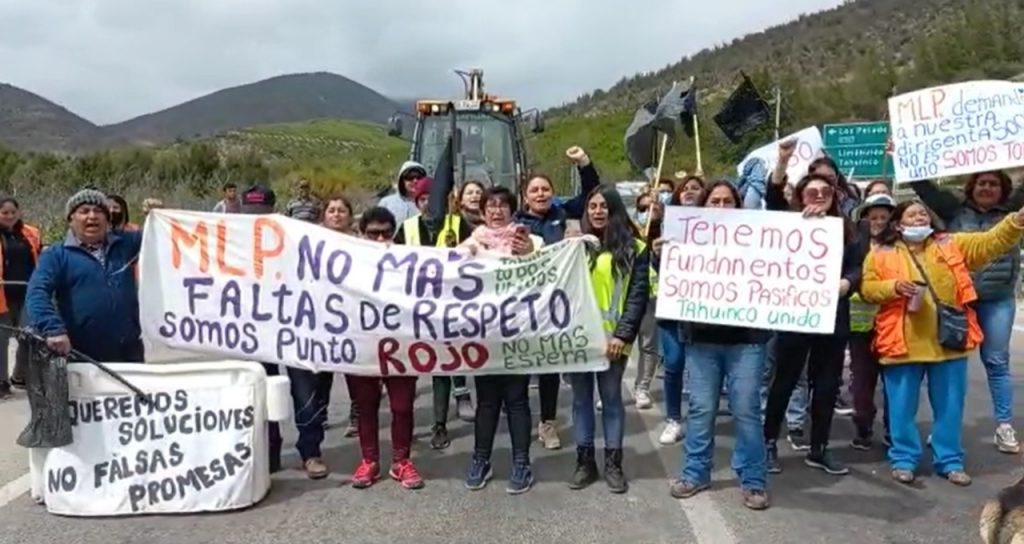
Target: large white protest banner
<point>809,146</point>
<point>270,288</point>
<point>750,268</point>
<point>957,129</point>
<point>196,443</point>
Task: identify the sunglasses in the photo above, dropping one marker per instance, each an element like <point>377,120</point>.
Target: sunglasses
<point>412,176</point>
<point>818,193</point>
<point>379,234</point>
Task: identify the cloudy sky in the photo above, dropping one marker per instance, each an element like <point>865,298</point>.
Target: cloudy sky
<point>109,60</point>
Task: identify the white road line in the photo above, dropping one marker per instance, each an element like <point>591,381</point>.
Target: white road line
<point>14,489</point>
<point>709,526</point>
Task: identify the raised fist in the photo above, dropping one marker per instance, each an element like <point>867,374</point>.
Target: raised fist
<point>577,155</point>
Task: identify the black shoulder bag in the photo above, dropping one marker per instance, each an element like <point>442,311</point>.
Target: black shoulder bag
<point>952,321</point>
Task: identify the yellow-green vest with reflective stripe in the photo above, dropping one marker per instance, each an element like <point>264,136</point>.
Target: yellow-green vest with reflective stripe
<point>653,278</point>
<point>862,314</point>
<point>611,294</point>
<point>411,227</point>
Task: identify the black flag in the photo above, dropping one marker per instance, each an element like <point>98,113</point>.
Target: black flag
<point>652,118</point>
<point>689,113</point>
<point>444,183</point>
<point>743,112</point>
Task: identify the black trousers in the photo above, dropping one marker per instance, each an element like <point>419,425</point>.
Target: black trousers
<point>443,392</point>
<point>274,438</point>
<point>548,385</point>
<point>823,355</point>
<point>491,393</point>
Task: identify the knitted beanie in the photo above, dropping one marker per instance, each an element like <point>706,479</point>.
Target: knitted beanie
<point>87,196</point>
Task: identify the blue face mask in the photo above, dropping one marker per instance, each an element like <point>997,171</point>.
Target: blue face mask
<point>641,218</point>
<point>917,234</point>
<point>665,198</point>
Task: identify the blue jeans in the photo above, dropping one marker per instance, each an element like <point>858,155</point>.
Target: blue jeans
<point>311,393</point>
<point>613,412</point>
<point>947,390</point>
<point>796,411</point>
<point>996,319</point>
<point>673,353</point>
<point>740,367</point>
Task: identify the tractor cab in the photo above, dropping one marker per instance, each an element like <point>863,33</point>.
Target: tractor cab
<point>491,145</point>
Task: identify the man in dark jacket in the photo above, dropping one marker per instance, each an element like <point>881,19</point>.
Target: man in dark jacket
<point>91,278</point>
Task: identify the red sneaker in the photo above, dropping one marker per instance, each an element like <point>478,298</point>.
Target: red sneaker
<point>405,473</point>
<point>367,474</point>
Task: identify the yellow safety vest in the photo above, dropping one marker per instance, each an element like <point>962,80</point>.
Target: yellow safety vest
<point>862,314</point>
<point>610,294</point>
<point>411,227</point>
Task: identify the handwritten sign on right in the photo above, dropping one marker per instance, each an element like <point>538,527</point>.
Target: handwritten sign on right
<point>957,129</point>
<point>750,268</point>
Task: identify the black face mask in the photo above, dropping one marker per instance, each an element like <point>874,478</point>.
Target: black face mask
<point>117,218</point>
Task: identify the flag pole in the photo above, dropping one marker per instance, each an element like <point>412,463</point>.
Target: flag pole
<point>778,111</point>
<point>655,179</point>
<point>696,134</point>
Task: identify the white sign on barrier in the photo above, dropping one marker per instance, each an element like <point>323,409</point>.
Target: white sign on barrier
<point>957,129</point>
<point>198,445</point>
<point>750,268</point>
<point>273,289</point>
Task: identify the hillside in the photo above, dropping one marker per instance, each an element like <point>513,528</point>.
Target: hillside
<point>29,122</point>
<point>824,45</point>
<point>835,66</point>
<point>282,99</point>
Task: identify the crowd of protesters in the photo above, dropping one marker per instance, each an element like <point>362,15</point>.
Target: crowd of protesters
<point>923,284</point>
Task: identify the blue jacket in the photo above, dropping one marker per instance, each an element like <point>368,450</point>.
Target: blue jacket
<point>551,227</point>
<point>998,280</point>
<point>97,305</point>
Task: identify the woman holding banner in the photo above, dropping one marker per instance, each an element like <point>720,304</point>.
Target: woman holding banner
<point>822,354</point>
<point>989,198</point>
<point>619,269</point>
<point>500,235</point>
<point>338,216</point>
<point>734,357</point>
<point>547,219</point>
<point>927,325</point>
<point>847,194</point>
<point>378,225</point>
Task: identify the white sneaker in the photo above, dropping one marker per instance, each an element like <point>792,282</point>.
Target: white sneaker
<point>672,434</point>
<point>1006,439</point>
<point>598,405</point>
<point>643,400</point>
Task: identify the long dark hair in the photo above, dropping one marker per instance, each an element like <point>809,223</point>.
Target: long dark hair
<point>891,233</point>
<point>124,207</point>
<point>849,230</point>
<point>16,227</point>
<point>842,184</point>
<point>706,194</point>
<point>619,235</point>
<point>677,194</point>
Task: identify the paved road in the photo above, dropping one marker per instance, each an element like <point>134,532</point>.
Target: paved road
<point>865,507</point>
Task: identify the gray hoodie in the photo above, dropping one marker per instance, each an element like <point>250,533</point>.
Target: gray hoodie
<point>400,204</point>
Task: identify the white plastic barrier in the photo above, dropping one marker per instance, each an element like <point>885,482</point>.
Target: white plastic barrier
<point>199,446</point>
